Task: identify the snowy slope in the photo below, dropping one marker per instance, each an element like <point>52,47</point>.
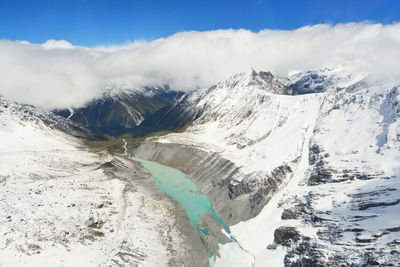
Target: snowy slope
<point>338,132</point>
<point>61,206</point>
<point>345,201</point>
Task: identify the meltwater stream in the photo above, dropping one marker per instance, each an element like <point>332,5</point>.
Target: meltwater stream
<point>174,183</point>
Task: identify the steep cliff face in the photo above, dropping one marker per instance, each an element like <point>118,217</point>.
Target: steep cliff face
<point>311,161</point>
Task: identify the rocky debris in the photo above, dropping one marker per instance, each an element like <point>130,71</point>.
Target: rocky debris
<point>128,256</point>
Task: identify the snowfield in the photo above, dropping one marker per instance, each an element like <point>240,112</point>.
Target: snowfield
<point>61,207</point>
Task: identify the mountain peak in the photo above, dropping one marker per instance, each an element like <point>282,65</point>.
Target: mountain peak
<point>251,72</point>
<point>263,80</point>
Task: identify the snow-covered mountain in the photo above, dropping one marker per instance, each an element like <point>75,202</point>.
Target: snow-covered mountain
<point>63,205</point>
<point>305,168</point>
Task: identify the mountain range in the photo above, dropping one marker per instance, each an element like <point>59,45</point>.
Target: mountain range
<point>303,169</point>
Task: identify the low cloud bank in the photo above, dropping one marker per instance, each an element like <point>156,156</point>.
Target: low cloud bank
<point>57,74</point>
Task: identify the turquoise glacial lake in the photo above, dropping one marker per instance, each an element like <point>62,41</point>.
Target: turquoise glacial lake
<point>175,184</point>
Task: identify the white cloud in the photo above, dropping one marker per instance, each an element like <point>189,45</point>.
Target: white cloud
<point>58,74</point>
<point>51,44</point>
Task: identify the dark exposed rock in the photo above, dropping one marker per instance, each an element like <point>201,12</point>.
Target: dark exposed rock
<point>319,176</point>
<point>96,225</point>
<point>97,233</point>
<point>316,219</point>
<point>393,229</point>
<point>34,247</point>
<point>365,206</point>
<point>372,193</point>
<point>315,149</point>
<point>288,214</point>
<point>286,235</point>
<point>354,230</point>
<point>370,259</point>
<point>364,240</point>
<point>361,218</point>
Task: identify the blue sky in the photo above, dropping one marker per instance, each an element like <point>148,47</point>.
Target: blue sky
<point>105,22</point>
